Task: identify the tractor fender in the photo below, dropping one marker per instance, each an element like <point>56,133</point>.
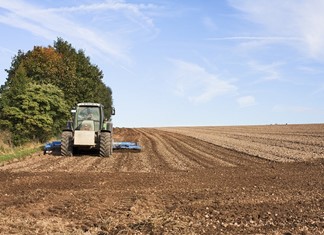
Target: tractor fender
<point>107,127</point>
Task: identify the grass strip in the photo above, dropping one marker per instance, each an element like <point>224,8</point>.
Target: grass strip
<point>19,154</point>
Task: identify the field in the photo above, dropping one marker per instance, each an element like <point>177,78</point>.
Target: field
<point>186,180</point>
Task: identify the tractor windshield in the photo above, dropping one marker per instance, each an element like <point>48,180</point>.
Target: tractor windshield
<point>88,118</point>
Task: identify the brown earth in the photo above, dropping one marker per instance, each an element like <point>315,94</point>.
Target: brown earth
<point>196,180</point>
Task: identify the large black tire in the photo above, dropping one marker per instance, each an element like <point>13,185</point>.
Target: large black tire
<point>67,144</point>
<point>105,149</point>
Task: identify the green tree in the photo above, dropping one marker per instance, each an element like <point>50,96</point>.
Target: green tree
<point>85,85</point>
<point>60,68</point>
<point>38,113</point>
<point>15,87</point>
<point>68,69</point>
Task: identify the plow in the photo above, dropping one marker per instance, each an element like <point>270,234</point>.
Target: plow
<point>89,130</point>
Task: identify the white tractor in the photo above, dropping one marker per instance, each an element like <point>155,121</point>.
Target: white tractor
<point>89,129</point>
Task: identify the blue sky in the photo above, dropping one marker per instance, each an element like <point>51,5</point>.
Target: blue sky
<point>187,63</point>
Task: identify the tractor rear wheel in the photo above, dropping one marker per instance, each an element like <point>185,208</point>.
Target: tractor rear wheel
<point>105,144</point>
<point>67,144</point>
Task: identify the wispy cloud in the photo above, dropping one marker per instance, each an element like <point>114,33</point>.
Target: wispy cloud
<point>293,20</point>
<point>268,72</point>
<point>209,24</point>
<point>319,90</point>
<point>134,12</point>
<point>6,50</point>
<point>53,22</point>
<point>246,101</point>
<point>310,70</point>
<point>197,84</point>
<point>254,38</point>
<point>248,43</point>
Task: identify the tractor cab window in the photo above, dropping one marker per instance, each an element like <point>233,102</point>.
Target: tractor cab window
<point>86,114</point>
<point>91,113</point>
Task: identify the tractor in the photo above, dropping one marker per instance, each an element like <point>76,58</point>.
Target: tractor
<point>89,129</point>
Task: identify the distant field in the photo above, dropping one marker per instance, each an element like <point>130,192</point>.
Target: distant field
<point>283,143</point>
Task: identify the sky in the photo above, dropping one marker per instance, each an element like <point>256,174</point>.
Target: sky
<point>190,62</point>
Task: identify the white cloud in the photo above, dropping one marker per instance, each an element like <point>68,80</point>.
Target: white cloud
<point>268,72</point>
<point>246,101</point>
<point>197,84</point>
<point>319,90</point>
<point>292,19</point>
<point>53,22</point>
<point>209,24</point>
<point>254,38</point>
<point>135,12</point>
<point>248,43</point>
<point>310,70</point>
<point>6,50</point>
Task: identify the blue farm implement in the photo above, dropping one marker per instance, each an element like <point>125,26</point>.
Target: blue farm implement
<point>52,146</point>
<point>126,146</point>
<point>55,146</point>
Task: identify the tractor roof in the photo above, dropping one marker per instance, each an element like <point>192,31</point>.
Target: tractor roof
<point>89,104</point>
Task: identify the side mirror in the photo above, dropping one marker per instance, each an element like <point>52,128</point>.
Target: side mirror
<point>73,111</point>
<point>113,111</point>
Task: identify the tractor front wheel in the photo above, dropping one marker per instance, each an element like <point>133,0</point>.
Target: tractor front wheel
<point>67,144</point>
<point>105,144</point>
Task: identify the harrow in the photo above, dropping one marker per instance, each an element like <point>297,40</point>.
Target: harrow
<point>56,146</point>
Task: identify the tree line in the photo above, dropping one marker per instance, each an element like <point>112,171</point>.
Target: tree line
<point>42,86</point>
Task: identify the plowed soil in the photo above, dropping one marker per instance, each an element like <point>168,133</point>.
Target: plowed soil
<point>186,180</point>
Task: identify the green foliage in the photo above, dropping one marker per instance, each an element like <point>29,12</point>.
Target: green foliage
<point>37,113</point>
<point>85,83</point>
<point>43,85</point>
<point>15,86</point>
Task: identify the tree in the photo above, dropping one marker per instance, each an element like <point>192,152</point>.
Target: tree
<point>86,83</point>
<point>26,99</point>
<point>13,88</point>
<point>37,114</point>
<point>68,69</point>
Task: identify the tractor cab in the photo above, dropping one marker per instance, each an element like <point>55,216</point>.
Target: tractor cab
<point>88,118</point>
